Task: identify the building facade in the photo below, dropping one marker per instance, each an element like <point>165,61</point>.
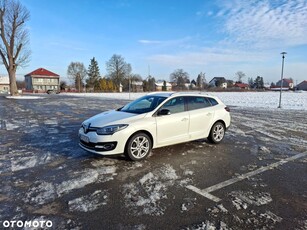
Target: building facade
<point>286,83</point>
<point>241,85</point>
<point>4,84</point>
<point>137,86</point>
<point>41,80</point>
<point>159,86</point>
<point>218,82</point>
<point>302,86</point>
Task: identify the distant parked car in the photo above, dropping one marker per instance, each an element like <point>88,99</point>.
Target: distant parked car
<point>155,120</point>
<point>53,91</point>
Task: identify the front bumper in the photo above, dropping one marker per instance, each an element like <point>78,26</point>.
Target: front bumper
<point>102,144</point>
<point>99,147</point>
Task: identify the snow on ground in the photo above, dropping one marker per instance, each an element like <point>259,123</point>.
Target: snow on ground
<point>290,100</point>
<point>243,199</point>
<point>24,97</point>
<point>89,202</point>
<point>144,196</point>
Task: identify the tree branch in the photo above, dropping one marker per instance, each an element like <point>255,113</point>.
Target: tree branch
<point>4,60</point>
<point>18,51</point>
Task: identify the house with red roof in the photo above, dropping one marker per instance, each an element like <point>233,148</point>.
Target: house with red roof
<point>41,80</point>
<point>302,86</point>
<point>286,83</point>
<point>241,85</point>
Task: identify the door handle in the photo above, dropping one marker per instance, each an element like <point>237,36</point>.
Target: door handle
<point>184,119</point>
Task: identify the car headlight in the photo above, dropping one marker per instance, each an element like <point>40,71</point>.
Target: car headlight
<point>109,130</point>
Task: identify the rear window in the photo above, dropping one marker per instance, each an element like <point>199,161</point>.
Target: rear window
<point>212,101</point>
<point>198,103</point>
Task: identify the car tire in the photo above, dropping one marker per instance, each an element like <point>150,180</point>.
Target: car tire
<point>217,133</point>
<point>138,146</point>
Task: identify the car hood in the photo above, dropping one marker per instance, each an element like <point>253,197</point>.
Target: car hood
<point>112,117</point>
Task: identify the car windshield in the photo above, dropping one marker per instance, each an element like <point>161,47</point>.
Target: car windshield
<point>143,105</point>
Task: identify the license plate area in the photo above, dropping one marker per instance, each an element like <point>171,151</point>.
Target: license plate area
<point>84,138</point>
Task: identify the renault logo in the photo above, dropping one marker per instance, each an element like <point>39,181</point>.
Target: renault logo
<point>86,127</point>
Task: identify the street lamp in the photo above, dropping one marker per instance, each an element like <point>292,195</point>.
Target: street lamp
<point>129,79</point>
<point>282,76</point>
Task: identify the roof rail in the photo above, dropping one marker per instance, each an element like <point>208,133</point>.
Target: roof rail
<point>192,92</point>
<point>161,92</point>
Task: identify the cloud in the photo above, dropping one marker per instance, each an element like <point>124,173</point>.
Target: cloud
<point>249,36</point>
<point>149,42</point>
<point>175,42</point>
<point>207,56</point>
<point>263,24</point>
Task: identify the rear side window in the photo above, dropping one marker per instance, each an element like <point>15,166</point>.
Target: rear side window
<point>198,103</point>
<point>212,101</point>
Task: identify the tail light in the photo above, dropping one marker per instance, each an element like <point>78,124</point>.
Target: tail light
<point>227,109</point>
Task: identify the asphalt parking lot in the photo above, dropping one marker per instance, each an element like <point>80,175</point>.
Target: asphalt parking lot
<point>255,179</point>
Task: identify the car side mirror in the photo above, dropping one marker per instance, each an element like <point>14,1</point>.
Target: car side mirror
<point>163,112</point>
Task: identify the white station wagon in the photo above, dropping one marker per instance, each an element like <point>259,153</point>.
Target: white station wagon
<point>155,120</point>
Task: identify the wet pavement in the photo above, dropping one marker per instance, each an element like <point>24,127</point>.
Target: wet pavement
<point>258,173</point>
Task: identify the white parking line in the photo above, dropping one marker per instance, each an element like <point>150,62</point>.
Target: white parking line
<point>206,192</point>
<point>203,193</point>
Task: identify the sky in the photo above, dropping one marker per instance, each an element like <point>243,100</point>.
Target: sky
<point>216,37</point>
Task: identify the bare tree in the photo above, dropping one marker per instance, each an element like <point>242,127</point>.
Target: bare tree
<point>77,72</point>
<point>240,75</point>
<point>14,38</point>
<point>118,69</point>
<point>180,77</point>
<point>201,80</point>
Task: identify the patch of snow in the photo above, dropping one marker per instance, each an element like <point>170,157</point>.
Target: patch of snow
<point>10,126</point>
<point>271,217</point>
<point>222,208</point>
<point>86,177</point>
<point>147,177</point>
<point>135,165</point>
<point>20,163</point>
<point>290,100</point>
<point>24,163</point>
<point>188,172</point>
<point>103,162</point>
<point>107,170</point>
<point>76,183</point>
<point>185,182</point>
<point>264,149</point>
<point>188,204</point>
<point>21,97</point>
<point>207,226</point>
<point>88,203</point>
<point>144,196</point>
<point>242,199</point>
<point>168,172</point>
<point>41,193</point>
<point>51,122</point>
